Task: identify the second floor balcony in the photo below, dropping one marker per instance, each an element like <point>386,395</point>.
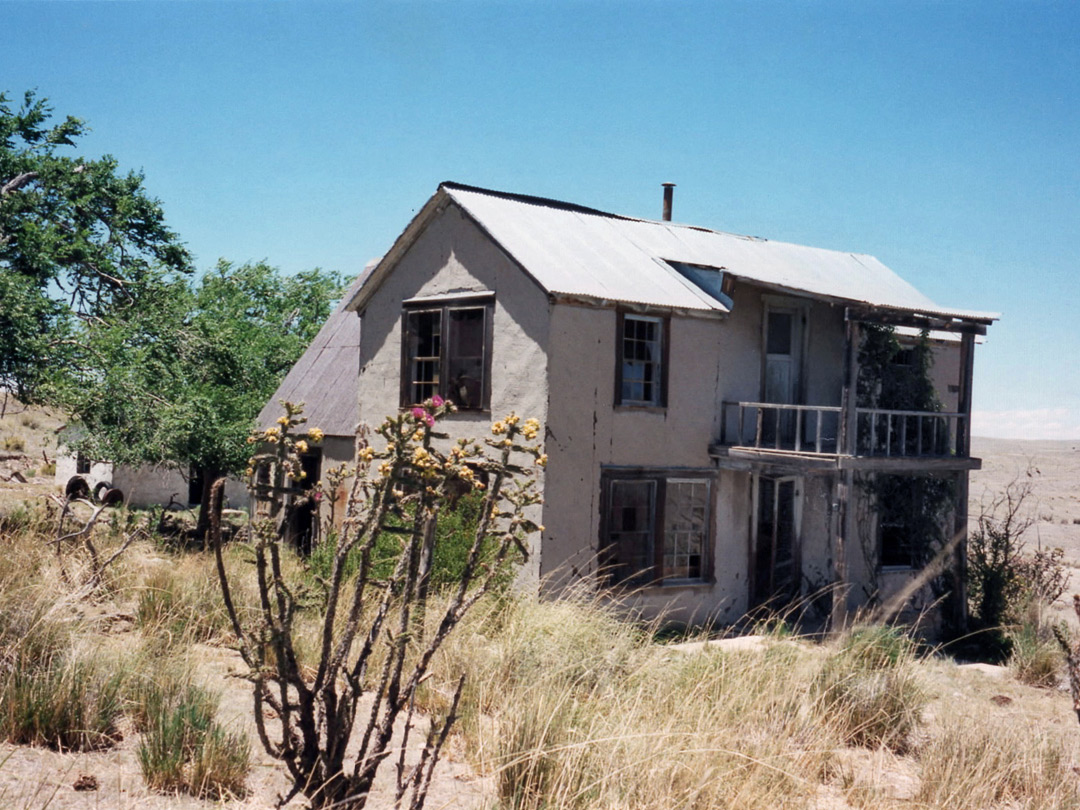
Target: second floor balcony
<point>820,436</point>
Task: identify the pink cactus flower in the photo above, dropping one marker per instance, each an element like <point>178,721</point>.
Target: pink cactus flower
<point>419,413</point>
<point>429,420</point>
<point>437,401</point>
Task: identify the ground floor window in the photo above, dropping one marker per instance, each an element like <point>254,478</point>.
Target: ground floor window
<point>912,512</point>
<point>655,528</point>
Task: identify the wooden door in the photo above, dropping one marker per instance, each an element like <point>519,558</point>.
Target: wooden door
<point>777,570</point>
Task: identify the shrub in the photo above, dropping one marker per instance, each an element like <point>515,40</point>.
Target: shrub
<point>868,690</point>
<point>14,443</point>
<point>183,749</point>
<point>1035,659</point>
<point>996,587</point>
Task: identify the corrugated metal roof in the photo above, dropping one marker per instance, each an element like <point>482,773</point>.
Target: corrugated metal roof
<point>575,251</point>
<point>325,378</point>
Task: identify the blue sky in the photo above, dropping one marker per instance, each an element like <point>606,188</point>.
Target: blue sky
<point>941,137</point>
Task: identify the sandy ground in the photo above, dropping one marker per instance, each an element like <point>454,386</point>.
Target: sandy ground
<point>1053,471</point>
<point>36,778</point>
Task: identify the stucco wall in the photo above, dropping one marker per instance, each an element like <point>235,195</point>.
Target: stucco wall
<point>709,361</point>
<point>336,450</point>
<point>557,362</point>
<point>453,256</point>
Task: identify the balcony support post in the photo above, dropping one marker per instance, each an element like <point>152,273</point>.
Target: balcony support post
<point>842,526</point>
<point>963,405</point>
<point>849,432</point>
<point>963,450</point>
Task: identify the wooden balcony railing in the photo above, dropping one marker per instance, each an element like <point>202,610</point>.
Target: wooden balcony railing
<point>817,429</point>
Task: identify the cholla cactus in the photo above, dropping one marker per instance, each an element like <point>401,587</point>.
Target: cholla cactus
<point>399,491</point>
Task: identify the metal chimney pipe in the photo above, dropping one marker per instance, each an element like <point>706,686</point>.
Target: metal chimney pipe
<point>669,193</point>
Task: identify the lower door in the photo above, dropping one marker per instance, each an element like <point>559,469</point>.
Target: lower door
<point>776,541</point>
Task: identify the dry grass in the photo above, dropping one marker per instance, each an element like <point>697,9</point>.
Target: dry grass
<point>569,707</point>
<point>67,683</point>
<point>566,705</point>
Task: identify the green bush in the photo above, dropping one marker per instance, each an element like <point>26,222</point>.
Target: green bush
<point>453,540</point>
<point>183,749</point>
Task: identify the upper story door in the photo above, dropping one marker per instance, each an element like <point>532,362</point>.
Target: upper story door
<point>783,340</point>
<point>783,354</point>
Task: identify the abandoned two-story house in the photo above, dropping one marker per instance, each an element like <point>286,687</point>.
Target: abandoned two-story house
<point>711,441</point>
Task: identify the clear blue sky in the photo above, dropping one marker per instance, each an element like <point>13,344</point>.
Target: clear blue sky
<point>941,137</point>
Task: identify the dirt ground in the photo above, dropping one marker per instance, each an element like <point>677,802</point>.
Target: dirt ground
<point>1052,468</point>
<point>37,778</point>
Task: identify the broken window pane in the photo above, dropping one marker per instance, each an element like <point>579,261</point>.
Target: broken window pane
<point>642,356</point>
<point>424,346</point>
<point>686,527</point>
<point>629,555</point>
<point>465,358</point>
<point>447,352</point>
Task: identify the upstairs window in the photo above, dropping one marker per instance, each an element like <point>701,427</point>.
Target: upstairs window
<point>656,530</point>
<point>447,351</point>
<point>642,368</point>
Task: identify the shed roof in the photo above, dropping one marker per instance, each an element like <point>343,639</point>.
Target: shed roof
<point>325,378</point>
<point>582,253</point>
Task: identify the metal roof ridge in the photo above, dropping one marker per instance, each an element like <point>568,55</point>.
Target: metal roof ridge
<point>562,205</point>
<point>529,199</point>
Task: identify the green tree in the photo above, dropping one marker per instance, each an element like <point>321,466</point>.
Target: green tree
<point>79,240</point>
<point>179,379</point>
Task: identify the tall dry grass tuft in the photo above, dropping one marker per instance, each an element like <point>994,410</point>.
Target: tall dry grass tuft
<point>869,690</point>
<point>183,748</point>
<point>178,601</point>
<point>568,706</point>
<point>978,763</point>
<point>52,692</point>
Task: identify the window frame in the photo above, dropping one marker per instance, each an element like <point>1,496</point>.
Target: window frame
<point>664,322</point>
<point>659,529</point>
<point>444,306</point>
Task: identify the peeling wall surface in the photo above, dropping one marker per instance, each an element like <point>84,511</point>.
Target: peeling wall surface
<point>710,361</point>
